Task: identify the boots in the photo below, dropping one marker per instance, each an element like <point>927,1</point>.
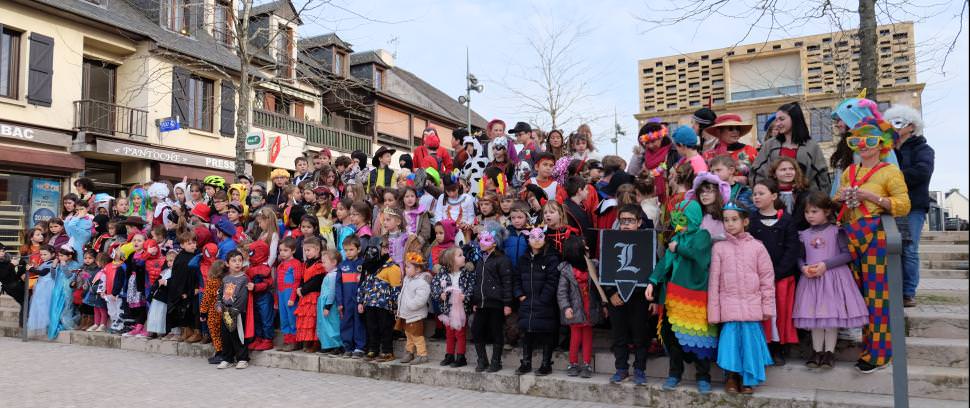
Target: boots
<point>195,337</point>
<point>85,323</point>
<point>732,384</point>
<point>449,358</point>
<point>496,364</point>
<point>482,358</point>
<point>186,333</point>
<point>460,361</point>
<point>524,367</point>
<point>311,347</point>
<point>206,338</point>
<point>778,354</point>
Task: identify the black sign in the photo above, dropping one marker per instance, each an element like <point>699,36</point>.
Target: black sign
<point>627,259</point>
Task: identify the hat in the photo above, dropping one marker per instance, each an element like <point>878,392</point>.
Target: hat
<point>594,164</point>
<point>226,227</point>
<point>102,198</point>
<point>241,177</point>
<point>723,187</point>
<point>486,239</point>
<point>536,234</point>
<point>407,160</point>
<point>381,152</point>
<point>134,221</point>
<point>768,122</point>
<point>158,190</point>
<point>202,211</point>
<point>650,136</point>
<point>520,127</point>
<point>725,120</point>
<point>414,258</point>
<point>685,136</point>
<point>235,205</point>
<point>704,117</point>
<point>322,190</point>
<point>279,173</point>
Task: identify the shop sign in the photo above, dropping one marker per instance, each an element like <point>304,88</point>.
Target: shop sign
<point>169,124</point>
<point>35,135</point>
<point>45,200</point>
<point>168,156</point>
<point>274,151</point>
<point>255,140</point>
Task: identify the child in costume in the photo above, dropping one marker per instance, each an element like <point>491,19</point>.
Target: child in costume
<point>82,287</point>
<point>535,285</point>
<point>308,291</point>
<point>827,297</point>
<point>93,297</point>
<point>182,287</point>
<point>679,282</point>
<point>657,156</point>
<point>155,325</point>
<point>725,167</point>
<point>352,330</point>
<point>231,305</point>
<point>343,227</point>
<point>260,308</point>
<point>208,312</point>
<point>62,313</point>
<point>40,300</point>
<point>740,295</point>
<point>712,193</point>
<point>328,317</point>
<point>491,301</point>
<point>580,300</point>
<point>377,300</point>
<point>416,216</point>
<point>413,307</point>
<point>393,227</point>
<point>130,286</point>
<point>451,293</point>
<point>289,275</point>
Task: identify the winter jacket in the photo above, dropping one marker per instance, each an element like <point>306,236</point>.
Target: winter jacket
<point>537,278</point>
<point>441,283</point>
<point>813,162</point>
<point>184,279</point>
<point>413,300</point>
<point>493,281</point>
<point>380,289</point>
<point>568,296</point>
<point>515,245</point>
<point>916,160</point>
<point>781,241</point>
<point>741,286</point>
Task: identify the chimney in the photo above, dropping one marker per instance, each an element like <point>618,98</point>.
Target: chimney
<point>386,56</point>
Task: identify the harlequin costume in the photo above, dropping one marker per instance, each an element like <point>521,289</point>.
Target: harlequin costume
<point>867,238</point>
<point>289,275</point>
<point>352,330</point>
<point>682,278</point>
<point>306,311</point>
<point>259,310</point>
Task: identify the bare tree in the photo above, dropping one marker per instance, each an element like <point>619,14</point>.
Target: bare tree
<point>555,81</point>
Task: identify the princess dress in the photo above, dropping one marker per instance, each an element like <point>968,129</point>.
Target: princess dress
<point>158,309</point>
<point>40,301</point>
<point>326,232</point>
<point>832,300</point>
<point>62,313</point>
<point>328,327</point>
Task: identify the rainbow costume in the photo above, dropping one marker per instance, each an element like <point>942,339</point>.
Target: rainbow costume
<point>682,275</point>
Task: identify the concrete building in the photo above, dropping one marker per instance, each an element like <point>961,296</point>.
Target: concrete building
<point>754,80</point>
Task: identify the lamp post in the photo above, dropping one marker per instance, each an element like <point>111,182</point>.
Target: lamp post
<point>617,132</point>
<point>471,84</point>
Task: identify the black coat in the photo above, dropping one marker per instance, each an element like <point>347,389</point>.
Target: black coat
<point>11,279</point>
<point>184,279</point>
<point>781,241</point>
<point>916,160</point>
<point>493,281</point>
<point>537,279</point>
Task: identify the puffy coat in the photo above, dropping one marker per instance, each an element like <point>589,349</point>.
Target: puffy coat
<point>493,281</point>
<point>741,286</point>
<point>515,245</point>
<point>916,160</point>
<point>412,303</point>
<point>569,296</point>
<point>537,278</point>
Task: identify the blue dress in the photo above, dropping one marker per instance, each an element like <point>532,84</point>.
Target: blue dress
<point>742,349</point>
<point>62,313</point>
<point>40,301</point>
<point>79,229</point>
<point>328,327</point>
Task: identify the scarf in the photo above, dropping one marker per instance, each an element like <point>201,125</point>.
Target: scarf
<point>654,158</point>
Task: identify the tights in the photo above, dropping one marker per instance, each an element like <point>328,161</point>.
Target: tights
<point>101,316</point>
<point>824,339</point>
<point>580,335</point>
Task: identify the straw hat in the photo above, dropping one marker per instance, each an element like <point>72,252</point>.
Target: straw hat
<point>725,120</point>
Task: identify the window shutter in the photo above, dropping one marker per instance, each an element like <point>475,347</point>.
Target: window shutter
<point>298,111</point>
<point>180,99</point>
<point>227,110</point>
<point>41,70</point>
<point>269,102</point>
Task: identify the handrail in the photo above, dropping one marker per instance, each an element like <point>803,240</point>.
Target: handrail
<point>897,319</point>
<point>108,118</point>
<point>314,133</point>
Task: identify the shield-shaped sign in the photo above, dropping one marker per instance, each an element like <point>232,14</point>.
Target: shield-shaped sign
<point>627,259</point>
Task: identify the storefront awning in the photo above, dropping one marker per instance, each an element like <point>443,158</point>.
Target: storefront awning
<point>23,157</point>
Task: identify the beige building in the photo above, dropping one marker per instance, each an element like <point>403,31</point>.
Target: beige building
<point>754,80</point>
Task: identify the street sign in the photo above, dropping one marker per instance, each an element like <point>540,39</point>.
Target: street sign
<point>274,151</point>
<point>169,124</point>
<point>255,140</point>
<point>626,259</point>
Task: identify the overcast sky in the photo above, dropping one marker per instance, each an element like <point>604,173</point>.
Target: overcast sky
<point>429,38</point>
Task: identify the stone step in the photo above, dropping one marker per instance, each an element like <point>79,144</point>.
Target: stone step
<point>945,236</point>
<point>938,321</point>
<point>943,291</point>
<point>959,254</point>
<point>932,352</point>
<point>926,273</point>
<point>871,390</point>
<point>937,264</point>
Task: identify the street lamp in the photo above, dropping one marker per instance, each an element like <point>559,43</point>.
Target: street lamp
<point>471,84</point>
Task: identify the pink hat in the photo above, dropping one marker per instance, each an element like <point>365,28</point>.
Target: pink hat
<point>537,234</point>
<point>486,239</point>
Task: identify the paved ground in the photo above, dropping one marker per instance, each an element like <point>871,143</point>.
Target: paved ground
<point>41,374</point>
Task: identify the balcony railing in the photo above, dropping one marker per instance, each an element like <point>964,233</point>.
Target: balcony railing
<point>109,119</point>
<point>314,133</point>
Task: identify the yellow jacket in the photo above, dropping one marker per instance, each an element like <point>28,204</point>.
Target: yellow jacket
<point>887,182</point>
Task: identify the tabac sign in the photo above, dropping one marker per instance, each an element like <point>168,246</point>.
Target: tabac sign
<point>626,259</point>
<point>168,156</point>
<point>32,134</point>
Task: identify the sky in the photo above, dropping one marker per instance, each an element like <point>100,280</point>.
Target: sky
<point>430,37</point>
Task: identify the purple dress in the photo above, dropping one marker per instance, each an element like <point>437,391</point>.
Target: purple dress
<point>832,300</point>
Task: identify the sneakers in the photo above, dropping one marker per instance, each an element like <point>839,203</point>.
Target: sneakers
<point>619,376</point>
<point>224,365</point>
<point>92,328</point>
<point>449,358</point>
<point>357,354</point>
<point>639,377</point>
<point>704,387</point>
<point>460,361</point>
<point>573,370</point>
<point>867,368</point>
<point>909,301</point>
<point>408,357</point>
<point>523,368</point>
<point>671,383</point>
<point>494,367</point>
<point>586,372</point>
<point>419,360</point>
<point>242,365</point>
<point>481,366</point>
<point>134,332</point>
<point>100,329</point>
<point>544,370</point>
<point>216,359</point>
<point>370,356</point>
<point>347,354</point>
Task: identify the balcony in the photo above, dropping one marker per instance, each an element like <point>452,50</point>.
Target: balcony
<point>314,133</point>
<point>110,119</point>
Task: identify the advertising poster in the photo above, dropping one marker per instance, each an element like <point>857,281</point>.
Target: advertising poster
<point>45,199</point>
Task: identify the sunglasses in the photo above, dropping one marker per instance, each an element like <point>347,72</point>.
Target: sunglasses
<point>732,128</point>
<point>899,123</point>
<point>859,142</point>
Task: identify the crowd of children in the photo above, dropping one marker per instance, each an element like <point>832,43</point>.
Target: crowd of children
<point>495,245</point>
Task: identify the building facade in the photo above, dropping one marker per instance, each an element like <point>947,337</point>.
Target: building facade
<point>754,80</point>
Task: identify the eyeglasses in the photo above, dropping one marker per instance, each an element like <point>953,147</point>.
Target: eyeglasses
<point>899,123</point>
<point>629,221</point>
<point>859,142</point>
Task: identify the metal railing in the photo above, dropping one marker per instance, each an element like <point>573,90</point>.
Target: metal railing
<point>314,133</point>
<point>897,319</point>
<point>109,119</point>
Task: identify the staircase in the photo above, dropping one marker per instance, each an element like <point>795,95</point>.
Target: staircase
<point>937,344</point>
<point>11,224</point>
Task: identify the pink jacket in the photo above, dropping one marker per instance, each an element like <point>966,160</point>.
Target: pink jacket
<point>741,287</point>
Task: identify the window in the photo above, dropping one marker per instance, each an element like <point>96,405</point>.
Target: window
<point>9,62</point>
<point>378,79</point>
<point>222,27</point>
<point>199,96</point>
<point>175,15</point>
<point>762,119</point>
<point>284,51</point>
<point>820,125</point>
<point>338,63</point>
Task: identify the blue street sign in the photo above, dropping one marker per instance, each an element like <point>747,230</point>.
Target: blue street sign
<point>168,125</point>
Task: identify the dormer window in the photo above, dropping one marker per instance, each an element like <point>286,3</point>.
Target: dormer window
<point>175,15</point>
<point>378,79</point>
<point>284,50</point>
<point>223,23</point>
<point>338,63</point>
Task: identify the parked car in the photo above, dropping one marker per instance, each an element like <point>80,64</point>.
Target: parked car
<point>956,224</point>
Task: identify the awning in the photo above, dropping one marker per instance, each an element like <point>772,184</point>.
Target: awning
<point>23,157</point>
